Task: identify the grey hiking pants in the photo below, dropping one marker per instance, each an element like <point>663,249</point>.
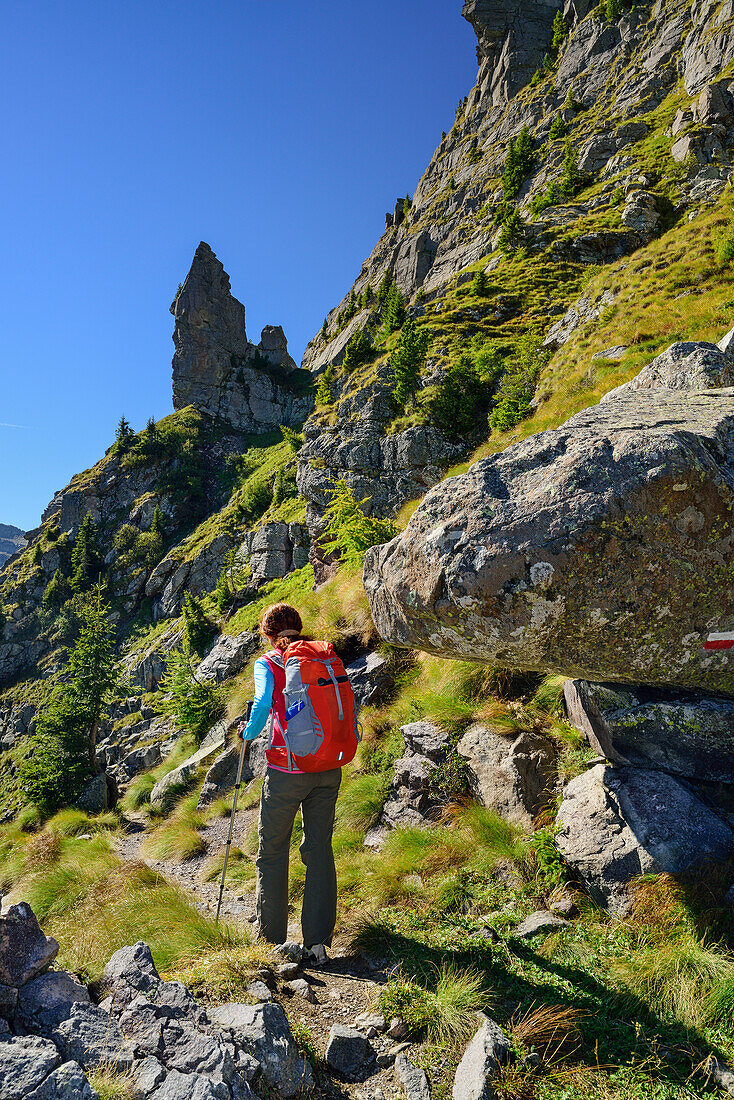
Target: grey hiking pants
<point>316,793</point>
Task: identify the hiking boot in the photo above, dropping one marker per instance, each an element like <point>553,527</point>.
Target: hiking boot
<point>315,955</point>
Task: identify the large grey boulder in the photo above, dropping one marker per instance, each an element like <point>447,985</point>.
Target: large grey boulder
<point>514,776</point>
<point>47,1000</point>
<point>222,774</point>
<point>194,1086</point>
<point>90,1035</point>
<point>68,1082</point>
<point>411,800</point>
<point>131,973</point>
<point>25,1062</point>
<point>689,735</point>
<point>262,1031</point>
<point>411,1079</point>
<point>487,1051</point>
<point>620,822</point>
<point>369,679</point>
<point>227,657</point>
<point>95,798</point>
<point>599,549</point>
<point>683,366</point>
<point>24,950</point>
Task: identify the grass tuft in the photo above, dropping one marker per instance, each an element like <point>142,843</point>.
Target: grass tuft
<point>445,1013</point>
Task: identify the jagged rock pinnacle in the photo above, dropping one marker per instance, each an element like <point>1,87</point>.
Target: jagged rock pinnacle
<point>514,36</point>
<point>216,369</point>
<point>209,330</point>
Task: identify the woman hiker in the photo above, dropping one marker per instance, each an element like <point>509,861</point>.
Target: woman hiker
<point>288,787</point>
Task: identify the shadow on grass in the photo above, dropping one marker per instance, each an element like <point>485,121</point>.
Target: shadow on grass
<point>614,1025</point>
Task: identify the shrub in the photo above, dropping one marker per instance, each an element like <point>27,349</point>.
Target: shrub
<point>324,394</point>
<point>445,1014</point>
<point>349,532</point>
<point>724,247</point>
<point>57,592</point>
<point>125,537</point>
<point>458,405</point>
<point>257,497</point>
<point>293,438</point>
<point>518,385</point>
<point>558,128</point>
<point>407,361</point>
<point>518,163</point>
<point>357,351</point>
<point>567,186</point>
<point>198,630</point>
<point>194,704</point>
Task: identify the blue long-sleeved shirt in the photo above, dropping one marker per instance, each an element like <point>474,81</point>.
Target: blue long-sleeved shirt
<point>264,687</point>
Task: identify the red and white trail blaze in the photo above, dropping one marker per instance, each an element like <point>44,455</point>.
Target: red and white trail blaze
<point>720,641</point>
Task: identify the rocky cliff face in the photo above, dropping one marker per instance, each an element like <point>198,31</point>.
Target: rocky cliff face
<point>607,91</point>
<point>513,40</point>
<point>12,539</point>
<point>217,370</point>
<point>606,75</point>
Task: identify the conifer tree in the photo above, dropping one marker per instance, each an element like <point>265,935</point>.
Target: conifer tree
<point>518,163</point>
<point>479,284</point>
<point>156,525</point>
<point>406,362</point>
<point>395,310</point>
<point>560,31</point>
<point>57,592</point>
<point>324,395</point>
<point>384,288</point>
<point>65,737</point>
<point>85,559</point>
<point>123,436</point>
<point>194,704</point>
<point>357,350</point>
<point>197,629</point>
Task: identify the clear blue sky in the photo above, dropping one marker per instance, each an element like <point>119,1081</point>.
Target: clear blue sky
<point>279,131</point>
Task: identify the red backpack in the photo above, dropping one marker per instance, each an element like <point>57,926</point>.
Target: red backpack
<point>314,718</point>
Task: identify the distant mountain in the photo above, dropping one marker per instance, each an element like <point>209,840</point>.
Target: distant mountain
<point>12,539</point>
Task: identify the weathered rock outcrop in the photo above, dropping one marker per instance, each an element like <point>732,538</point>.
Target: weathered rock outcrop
<point>683,733</point>
<point>217,370</point>
<point>412,800</point>
<point>684,366</point>
<point>619,822</point>
<point>12,539</point>
<point>514,776</point>
<point>513,39</point>
<point>601,549</point>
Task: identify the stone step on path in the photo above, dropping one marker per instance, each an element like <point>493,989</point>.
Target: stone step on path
<point>343,994</point>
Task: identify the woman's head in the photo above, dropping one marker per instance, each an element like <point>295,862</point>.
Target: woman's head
<point>281,624</point>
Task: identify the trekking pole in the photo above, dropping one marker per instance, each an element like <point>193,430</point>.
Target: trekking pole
<point>232,815</point>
